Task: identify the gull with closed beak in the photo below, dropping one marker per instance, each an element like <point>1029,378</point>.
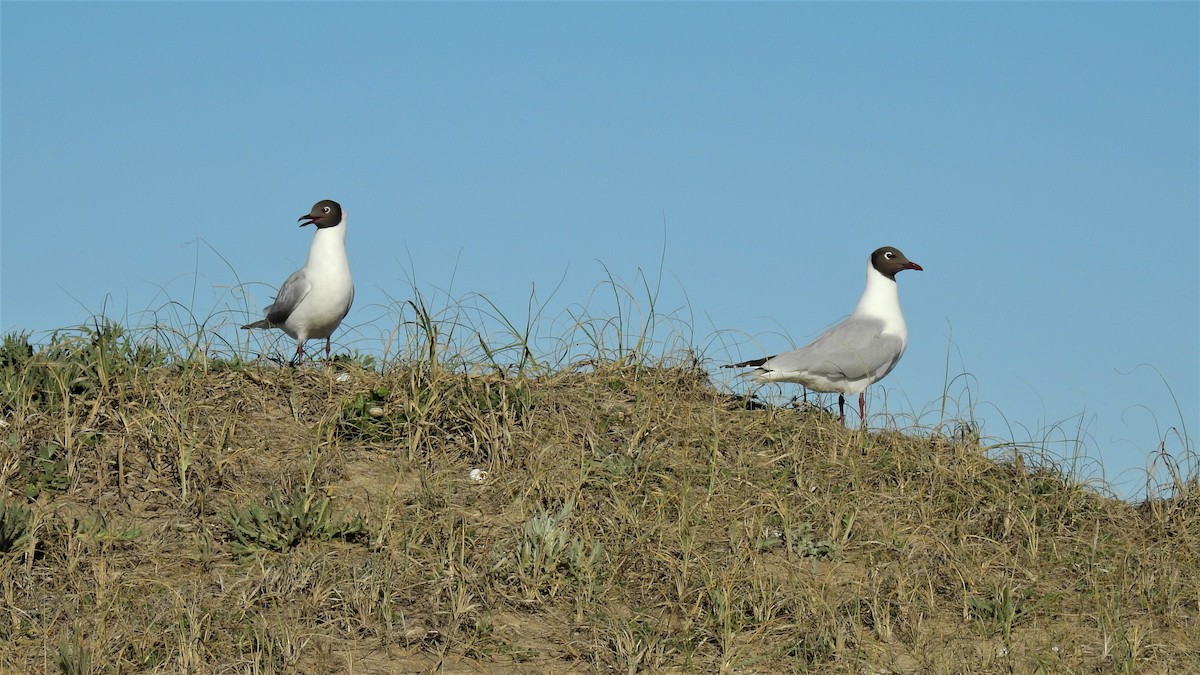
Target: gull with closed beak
<point>849,356</point>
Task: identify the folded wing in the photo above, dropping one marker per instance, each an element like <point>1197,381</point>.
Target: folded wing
<point>853,350</point>
<point>291,293</point>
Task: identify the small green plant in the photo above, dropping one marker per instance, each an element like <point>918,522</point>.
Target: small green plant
<point>72,658</point>
<point>639,643</point>
<point>797,540</point>
<point>356,359</point>
<point>365,414</point>
<point>285,521</point>
<point>14,526</point>
<point>813,647</point>
<point>547,555</point>
<point>361,404</point>
<point>499,397</point>
<point>96,526</point>
<point>1001,610</point>
<point>15,350</point>
<point>47,472</point>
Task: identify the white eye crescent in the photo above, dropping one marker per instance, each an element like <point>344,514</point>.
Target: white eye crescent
<point>327,209</point>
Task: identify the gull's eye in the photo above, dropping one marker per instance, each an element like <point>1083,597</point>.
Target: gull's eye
<point>889,255</point>
<point>327,209</point>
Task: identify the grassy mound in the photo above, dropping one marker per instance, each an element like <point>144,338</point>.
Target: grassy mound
<point>176,514</point>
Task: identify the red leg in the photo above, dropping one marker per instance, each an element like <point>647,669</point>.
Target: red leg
<point>841,410</point>
<point>862,407</point>
<point>326,349</point>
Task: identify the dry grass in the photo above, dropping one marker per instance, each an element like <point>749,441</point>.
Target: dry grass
<point>191,515</point>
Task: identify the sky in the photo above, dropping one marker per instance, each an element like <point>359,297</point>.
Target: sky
<point>1041,161</point>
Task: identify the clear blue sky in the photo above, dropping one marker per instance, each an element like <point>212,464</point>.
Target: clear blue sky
<point>1039,160</point>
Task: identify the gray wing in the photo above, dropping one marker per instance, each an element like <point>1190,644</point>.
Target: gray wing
<point>851,350</point>
<point>290,294</point>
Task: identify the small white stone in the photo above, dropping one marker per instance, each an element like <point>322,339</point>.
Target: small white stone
<point>478,475</point>
<point>376,411</point>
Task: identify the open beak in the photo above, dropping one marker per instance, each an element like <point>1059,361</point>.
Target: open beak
<point>307,219</point>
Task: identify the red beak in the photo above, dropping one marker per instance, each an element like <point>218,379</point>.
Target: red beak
<point>308,219</point>
<point>914,266</point>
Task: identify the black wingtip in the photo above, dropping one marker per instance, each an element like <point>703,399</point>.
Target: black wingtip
<point>748,364</point>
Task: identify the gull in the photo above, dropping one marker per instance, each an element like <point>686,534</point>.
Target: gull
<point>851,355</point>
<point>315,298</point>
